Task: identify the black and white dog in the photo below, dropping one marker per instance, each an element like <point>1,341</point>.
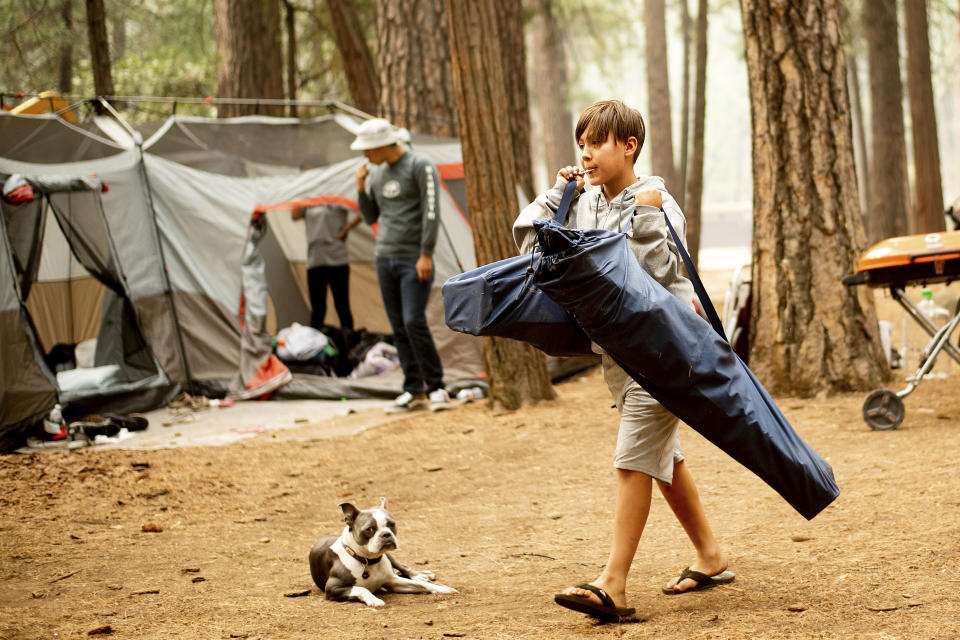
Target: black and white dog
<point>355,565</point>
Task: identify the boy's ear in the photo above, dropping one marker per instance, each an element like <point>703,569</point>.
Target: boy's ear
<point>630,146</point>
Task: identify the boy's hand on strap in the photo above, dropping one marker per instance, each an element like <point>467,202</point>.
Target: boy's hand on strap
<point>564,176</point>
<point>649,198</point>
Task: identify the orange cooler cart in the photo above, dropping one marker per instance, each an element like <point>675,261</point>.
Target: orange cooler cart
<point>898,263</point>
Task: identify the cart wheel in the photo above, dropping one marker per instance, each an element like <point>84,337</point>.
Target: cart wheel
<point>883,410</point>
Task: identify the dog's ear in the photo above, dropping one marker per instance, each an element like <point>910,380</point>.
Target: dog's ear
<point>349,512</point>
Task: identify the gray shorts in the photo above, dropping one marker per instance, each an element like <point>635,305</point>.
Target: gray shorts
<point>647,440</point>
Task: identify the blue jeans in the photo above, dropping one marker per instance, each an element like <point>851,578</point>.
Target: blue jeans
<point>405,301</point>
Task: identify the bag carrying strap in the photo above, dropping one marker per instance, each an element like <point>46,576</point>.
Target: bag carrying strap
<point>561,216</point>
<point>695,279</point>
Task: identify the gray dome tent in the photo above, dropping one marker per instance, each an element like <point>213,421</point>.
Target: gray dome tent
<point>48,223</point>
<point>179,209</point>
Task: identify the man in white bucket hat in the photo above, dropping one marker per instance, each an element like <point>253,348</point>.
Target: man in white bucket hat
<point>401,194</point>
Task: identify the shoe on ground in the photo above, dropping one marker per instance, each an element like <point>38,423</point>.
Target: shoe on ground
<point>407,401</point>
<point>439,400</point>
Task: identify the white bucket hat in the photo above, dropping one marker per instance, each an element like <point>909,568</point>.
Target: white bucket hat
<point>375,133</point>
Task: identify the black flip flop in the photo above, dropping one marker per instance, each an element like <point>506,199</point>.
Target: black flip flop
<point>607,611</point>
<point>703,581</point>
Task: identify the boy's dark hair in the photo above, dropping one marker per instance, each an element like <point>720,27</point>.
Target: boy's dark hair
<point>604,117</point>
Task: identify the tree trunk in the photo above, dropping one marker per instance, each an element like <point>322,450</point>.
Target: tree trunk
<point>550,63</point>
<point>65,70</point>
<point>887,203</point>
<point>859,134</point>
<point>510,23</point>
<point>517,372</point>
<point>355,54</point>
<point>251,60</point>
<point>293,73</point>
<point>99,48</point>
<point>416,89</point>
<point>808,332</point>
<point>659,127</point>
<point>694,197</point>
<point>684,105</point>
<point>928,190</point>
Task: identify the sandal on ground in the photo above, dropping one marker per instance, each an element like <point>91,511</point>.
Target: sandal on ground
<point>703,581</point>
<point>606,611</point>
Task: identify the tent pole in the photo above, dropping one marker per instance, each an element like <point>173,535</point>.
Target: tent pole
<point>167,289</point>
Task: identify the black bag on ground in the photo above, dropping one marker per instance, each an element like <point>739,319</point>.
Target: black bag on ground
<point>675,355</point>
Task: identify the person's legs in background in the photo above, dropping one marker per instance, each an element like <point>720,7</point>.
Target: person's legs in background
<point>405,301</point>
<point>340,288</point>
<point>389,275</point>
<point>317,278</point>
<point>413,296</point>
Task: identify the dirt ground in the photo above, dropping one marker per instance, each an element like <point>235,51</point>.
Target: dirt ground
<point>211,542</point>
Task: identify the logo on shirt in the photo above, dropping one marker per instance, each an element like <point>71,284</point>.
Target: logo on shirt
<point>391,189</point>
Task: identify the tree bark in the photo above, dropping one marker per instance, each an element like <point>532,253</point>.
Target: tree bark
<point>416,89</point>
<point>859,134</point>
<point>65,69</point>
<point>355,54</point>
<point>247,33</point>
<point>99,48</point>
<point>809,333</point>
<point>516,371</point>
<point>293,73</point>
<point>659,127</point>
<point>550,97</point>
<point>928,189</point>
<point>684,105</point>
<point>694,196</point>
<point>887,203</point>
<point>510,23</point>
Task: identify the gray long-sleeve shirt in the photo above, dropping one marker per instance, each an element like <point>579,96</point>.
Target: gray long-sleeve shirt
<point>649,237</point>
<point>404,199</point>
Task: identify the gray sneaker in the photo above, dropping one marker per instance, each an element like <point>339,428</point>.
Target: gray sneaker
<point>439,400</point>
<point>406,401</point>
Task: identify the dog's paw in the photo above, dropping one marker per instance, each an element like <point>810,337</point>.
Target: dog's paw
<point>442,588</point>
<point>424,576</point>
<point>373,601</point>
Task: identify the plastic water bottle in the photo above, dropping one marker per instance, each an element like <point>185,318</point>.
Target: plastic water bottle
<point>934,312</point>
<point>937,314</point>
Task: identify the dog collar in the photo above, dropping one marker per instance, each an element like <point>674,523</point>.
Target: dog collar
<point>363,560</point>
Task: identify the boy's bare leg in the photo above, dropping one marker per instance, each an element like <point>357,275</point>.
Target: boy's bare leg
<point>684,500</point>
<point>634,491</point>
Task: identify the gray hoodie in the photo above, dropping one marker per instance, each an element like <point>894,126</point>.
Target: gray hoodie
<point>649,237</point>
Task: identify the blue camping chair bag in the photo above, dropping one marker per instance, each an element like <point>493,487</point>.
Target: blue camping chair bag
<point>675,355</point>
<point>500,299</point>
